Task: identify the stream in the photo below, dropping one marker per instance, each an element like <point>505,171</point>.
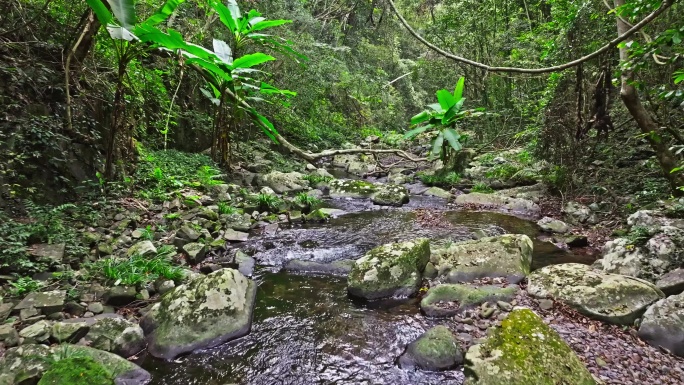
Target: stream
<point>306,330</point>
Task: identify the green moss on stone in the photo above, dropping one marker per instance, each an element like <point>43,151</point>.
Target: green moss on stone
<point>77,371</point>
<point>466,296</point>
<point>436,349</point>
<point>523,351</point>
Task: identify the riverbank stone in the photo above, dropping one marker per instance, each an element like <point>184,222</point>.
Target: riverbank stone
<point>663,324</point>
<point>207,311</point>
<point>499,203</point>
<point>347,188</point>
<point>447,300</point>
<point>392,270</point>
<point>435,350</point>
<point>391,195</point>
<point>612,298</point>
<point>524,351</point>
<point>341,267</point>
<point>507,256</point>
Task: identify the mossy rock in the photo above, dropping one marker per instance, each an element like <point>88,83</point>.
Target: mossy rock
<point>507,256</point>
<point>436,349</point>
<point>341,267</point>
<point>322,215</point>
<point>77,371</point>
<point>495,202</point>
<point>346,188</point>
<point>391,195</point>
<point>524,351</point>
<point>461,297</point>
<point>613,298</point>
<point>392,270</point>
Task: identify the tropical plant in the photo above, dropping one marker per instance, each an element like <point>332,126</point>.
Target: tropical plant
<point>225,208</point>
<point>306,200</point>
<point>24,285</point>
<point>138,269</point>
<point>443,119</point>
<point>267,202</point>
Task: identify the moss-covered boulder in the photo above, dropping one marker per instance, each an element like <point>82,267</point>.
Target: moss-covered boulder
<point>499,203</point>
<point>111,333</point>
<point>613,298</point>
<point>447,300</point>
<point>524,351</point>
<point>282,182</point>
<point>391,195</point>
<point>507,256</point>
<point>663,324</point>
<point>29,363</point>
<point>346,188</point>
<point>438,192</point>
<point>207,311</point>
<point>392,270</point>
<point>323,214</point>
<point>436,349</point>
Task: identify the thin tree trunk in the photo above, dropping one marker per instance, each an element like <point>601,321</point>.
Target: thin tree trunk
<point>647,125</point>
<point>117,118</point>
<point>67,67</point>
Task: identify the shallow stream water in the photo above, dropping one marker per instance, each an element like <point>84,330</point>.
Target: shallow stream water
<point>306,329</point>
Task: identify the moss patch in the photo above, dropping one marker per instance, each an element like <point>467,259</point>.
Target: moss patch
<point>524,350</point>
<point>352,188</point>
<point>463,296</point>
<point>77,371</point>
<point>436,349</point>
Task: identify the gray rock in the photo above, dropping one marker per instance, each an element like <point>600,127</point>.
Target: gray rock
<point>579,214</point>
<point>438,192</point>
<point>207,311</point>
<point>436,349</point>
<point>663,324</point>
<point>96,307</point>
<point>196,252</point>
<point>507,256</point>
<point>524,350</point>
<point>113,333</point>
<point>9,335</point>
<point>611,298</point>
<point>188,234</point>
<point>392,270</point>
<point>69,332</point>
<point>120,295</point>
<point>499,203</point>
<point>672,283</point>
<point>283,182</point>
<point>36,333</point>
<point>357,189</point>
<point>51,254</point>
<point>448,300</point>
<point>390,195</point>
<point>165,286</point>
<point>245,263</point>
<point>237,222</point>
<point>46,302</point>
<point>235,236</point>
<point>144,248</point>
<point>341,267</point>
<point>5,310</point>
<point>551,225</point>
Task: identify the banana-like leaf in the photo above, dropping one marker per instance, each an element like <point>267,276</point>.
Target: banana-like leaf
<point>452,137</point>
<point>436,107</point>
<point>268,89</point>
<point>268,24</point>
<point>103,15</point>
<point>216,71</point>
<point>458,91</point>
<point>251,60</point>
<point>255,20</point>
<point>421,117</point>
<point>234,9</point>
<point>416,131</point>
<point>164,12</point>
<point>209,96</point>
<point>120,33</point>
<point>124,10</point>
<point>223,51</point>
<point>265,125</point>
<point>446,99</point>
<point>225,15</point>
<point>437,146</point>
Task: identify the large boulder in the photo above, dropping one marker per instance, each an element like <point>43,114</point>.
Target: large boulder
<point>447,300</point>
<point>391,195</point>
<point>551,225</point>
<point>579,214</point>
<point>207,311</point>
<point>523,351</point>
<point>436,349</point>
<point>46,302</point>
<point>499,203</point>
<point>282,182</point>
<point>663,324</point>
<point>356,164</point>
<point>390,270</point>
<point>27,364</point>
<point>507,256</point>
<point>347,188</point>
<point>612,298</point>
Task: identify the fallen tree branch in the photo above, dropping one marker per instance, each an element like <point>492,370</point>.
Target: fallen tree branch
<point>610,45</point>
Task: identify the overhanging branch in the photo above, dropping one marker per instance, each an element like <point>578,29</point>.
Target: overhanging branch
<point>611,44</point>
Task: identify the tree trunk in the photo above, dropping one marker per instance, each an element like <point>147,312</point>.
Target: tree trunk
<point>117,121</point>
<point>647,125</point>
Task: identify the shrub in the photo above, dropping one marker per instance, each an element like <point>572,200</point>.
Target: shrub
<point>140,270</point>
<point>444,179</point>
<point>307,200</point>
<point>225,208</point>
<point>482,188</point>
<point>267,202</point>
<point>24,285</point>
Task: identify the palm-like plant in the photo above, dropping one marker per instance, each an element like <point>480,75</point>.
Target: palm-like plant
<point>443,118</point>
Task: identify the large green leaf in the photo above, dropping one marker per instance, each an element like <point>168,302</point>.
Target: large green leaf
<point>452,137</point>
<point>268,89</point>
<point>223,51</point>
<point>421,117</point>
<point>437,146</point>
<point>436,107</point>
<point>120,33</point>
<point>164,12</point>
<point>446,99</point>
<point>234,9</point>
<point>124,10</point>
<point>458,91</point>
<point>453,111</point>
<point>251,60</point>
<point>225,15</point>
<point>268,24</point>
<point>101,11</point>
<point>265,125</point>
<point>416,131</point>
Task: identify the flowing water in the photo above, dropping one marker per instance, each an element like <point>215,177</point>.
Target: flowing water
<point>306,329</point>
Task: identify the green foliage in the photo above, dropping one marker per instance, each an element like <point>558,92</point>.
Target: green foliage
<point>76,370</point>
<point>24,285</point>
<point>441,179</point>
<point>147,233</point>
<point>638,235</point>
<point>307,200</point>
<point>208,176</point>
<point>226,208</point>
<point>502,171</point>
<point>267,202</point>
<point>316,179</point>
<point>139,270</point>
<point>482,188</point>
